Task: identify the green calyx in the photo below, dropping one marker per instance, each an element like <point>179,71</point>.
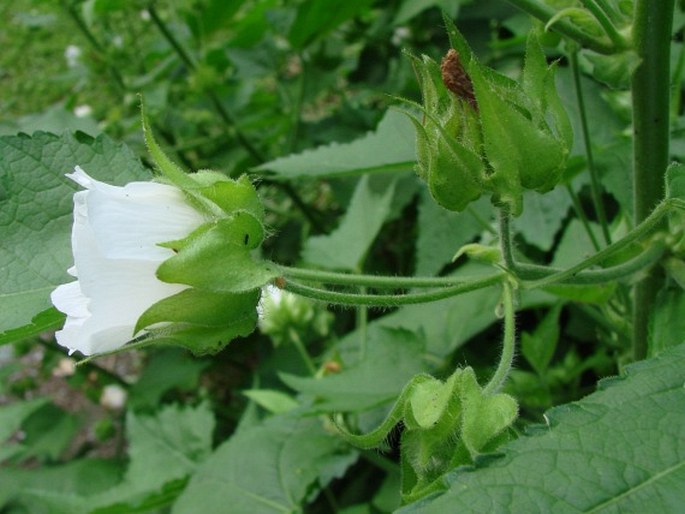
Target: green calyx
<point>215,261</point>
<point>446,424</point>
<point>483,133</point>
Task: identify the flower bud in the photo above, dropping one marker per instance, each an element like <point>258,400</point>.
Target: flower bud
<point>483,132</point>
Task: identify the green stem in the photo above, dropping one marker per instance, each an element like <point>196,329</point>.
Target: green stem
<point>299,346</point>
<point>381,300</point>
<point>650,92</point>
<point>362,325</point>
<point>578,208</point>
<point>373,281</point>
<point>609,28</point>
<point>564,27</point>
<point>646,227</point>
<point>610,11</point>
<point>505,241</point>
<point>594,176</point>
<point>508,342</point>
<point>644,260</point>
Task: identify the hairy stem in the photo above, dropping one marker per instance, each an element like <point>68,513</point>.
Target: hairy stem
<point>648,226</point>
<point>508,342</point>
<point>383,300</point>
<point>651,93</point>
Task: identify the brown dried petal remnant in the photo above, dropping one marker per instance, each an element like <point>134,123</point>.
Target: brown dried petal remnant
<point>455,78</point>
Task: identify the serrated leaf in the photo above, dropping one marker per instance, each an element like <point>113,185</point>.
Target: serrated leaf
<point>618,450</point>
<point>287,456</point>
<point>36,215</point>
<point>346,247</point>
<point>389,148</point>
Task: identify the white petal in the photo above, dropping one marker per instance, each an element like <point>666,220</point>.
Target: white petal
<point>69,299</point>
<point>132,222</point>
<point>114,240</point>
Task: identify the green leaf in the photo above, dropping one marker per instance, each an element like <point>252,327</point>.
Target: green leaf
<point>389,148</point>
<point>273,401</point>
<point>667,322</point>
<point>346,247</point>
<point>77,478</point>
<point>441,232</point>
<point>271,468</point>
<point>45,321</point>
<point>165,447</point>
<point>48,432</point>
<point>617,450</point>
<point>167,369</point>
<point>542,217</point>
<point>36,217</point>
<point>538,347</point>
<point>393,357</point>
<point>14,414</point>
<point>675,181</point>
<point>410,8</point>
<point>315,18</point>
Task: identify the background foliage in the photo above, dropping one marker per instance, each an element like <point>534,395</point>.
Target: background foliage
<point>299,95</point>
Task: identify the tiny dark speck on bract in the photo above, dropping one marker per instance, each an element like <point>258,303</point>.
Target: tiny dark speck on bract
<point>246,239</point>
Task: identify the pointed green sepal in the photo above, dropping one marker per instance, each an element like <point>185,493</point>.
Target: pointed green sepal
<point>216,257</point>
<point>484,416</point>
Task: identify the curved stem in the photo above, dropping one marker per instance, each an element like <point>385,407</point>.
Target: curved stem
<point>544,12</point>
<point>382,300</point>
<point>650,92</point>
<point>374,281</point>
<point>508,342</point>
<point>646,227</point>
<point>594,176</point>
<point>644,260</point>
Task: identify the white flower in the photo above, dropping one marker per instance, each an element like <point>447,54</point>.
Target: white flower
<point>81,111</point>
<point>113,397</point>
<point>116,253</point>
<point>72,54</point>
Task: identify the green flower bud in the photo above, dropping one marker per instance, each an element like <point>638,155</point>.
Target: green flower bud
<point>482,132</point>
